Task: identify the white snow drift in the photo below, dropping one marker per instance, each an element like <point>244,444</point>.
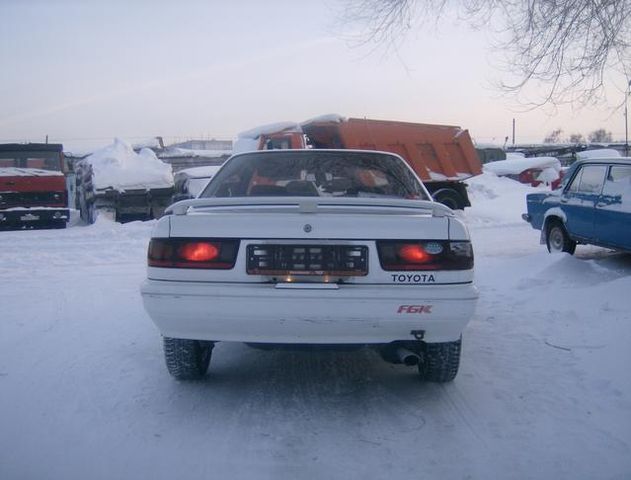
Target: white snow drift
<point>119,167</point>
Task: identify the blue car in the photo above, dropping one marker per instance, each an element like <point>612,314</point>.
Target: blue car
<point>592,206</point>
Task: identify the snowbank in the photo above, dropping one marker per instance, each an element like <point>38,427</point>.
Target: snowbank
<point>599,153</point>
<point>515,165</point>
<point>497,201</point>
<point>117,166</point>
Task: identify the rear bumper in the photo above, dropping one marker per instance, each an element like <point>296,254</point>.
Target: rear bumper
<point>308,313</point>
<point>33,217</point>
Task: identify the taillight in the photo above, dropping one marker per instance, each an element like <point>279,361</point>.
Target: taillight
<point>199,251</point>
<point>193,253</point>
<point>425,255</point>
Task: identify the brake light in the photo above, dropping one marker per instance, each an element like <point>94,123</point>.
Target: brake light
<point>397,255</point>
<point>199,251</point>
<point>413,254</point>
<point>192,253</point>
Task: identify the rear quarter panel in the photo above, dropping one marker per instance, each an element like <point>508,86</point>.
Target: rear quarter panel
<point>538,204</point>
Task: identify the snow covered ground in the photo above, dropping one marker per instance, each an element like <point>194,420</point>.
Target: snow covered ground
<point>544,390</point>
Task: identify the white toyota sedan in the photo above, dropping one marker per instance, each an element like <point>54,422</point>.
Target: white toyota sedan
<point>295,248</point>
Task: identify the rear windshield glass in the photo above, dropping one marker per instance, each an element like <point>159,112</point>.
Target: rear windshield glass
<point>312,174</point>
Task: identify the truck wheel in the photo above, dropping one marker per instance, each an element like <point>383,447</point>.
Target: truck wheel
<point>450,198</point>
<point>440,361</point>
<point>187,359</point>
<point>558,240</point>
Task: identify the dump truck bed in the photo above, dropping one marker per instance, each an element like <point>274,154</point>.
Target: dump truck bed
<point>435,152</point>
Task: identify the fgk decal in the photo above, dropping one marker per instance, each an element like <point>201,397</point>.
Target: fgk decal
<point>413,278</point>
<point>415,309</point>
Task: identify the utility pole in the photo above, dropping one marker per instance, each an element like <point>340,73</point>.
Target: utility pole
<point>513,132</point>
<point>626,119</point>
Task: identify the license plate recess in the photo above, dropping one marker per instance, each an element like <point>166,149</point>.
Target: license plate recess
<point>333,260</point>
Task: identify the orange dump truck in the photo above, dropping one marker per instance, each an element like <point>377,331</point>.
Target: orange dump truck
<point>442,156</point>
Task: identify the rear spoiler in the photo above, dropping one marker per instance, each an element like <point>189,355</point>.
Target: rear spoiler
<point>313,205</point>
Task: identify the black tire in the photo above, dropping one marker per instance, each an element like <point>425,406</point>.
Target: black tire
<point>187,359</point>
<point>440,361</point>
<point>558,240</point>
<point>450,198</point>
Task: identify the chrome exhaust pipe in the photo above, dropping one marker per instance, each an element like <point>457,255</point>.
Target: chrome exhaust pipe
<point>408,357</point>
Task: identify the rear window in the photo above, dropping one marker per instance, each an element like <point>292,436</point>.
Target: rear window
<point>311,174</point>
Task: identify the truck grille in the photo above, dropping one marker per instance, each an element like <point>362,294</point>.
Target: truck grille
<point>338,260</point>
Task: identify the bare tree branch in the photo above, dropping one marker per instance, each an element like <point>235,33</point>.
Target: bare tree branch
<point>563,47</point>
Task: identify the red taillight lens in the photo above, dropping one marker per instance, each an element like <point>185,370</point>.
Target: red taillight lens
<point>398,255</point>
<point>193,253</point>
<point>413,254</point>
<point>199,251</point>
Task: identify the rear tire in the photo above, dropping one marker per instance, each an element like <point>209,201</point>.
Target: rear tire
<point>440,361</point>
<point>450,198</point>
<point>187,359</point>
<point>558,240</point>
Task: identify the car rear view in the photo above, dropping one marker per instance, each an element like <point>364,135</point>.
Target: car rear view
<point>312,248</point>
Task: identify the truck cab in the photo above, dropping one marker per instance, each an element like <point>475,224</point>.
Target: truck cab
<point>33,189</point>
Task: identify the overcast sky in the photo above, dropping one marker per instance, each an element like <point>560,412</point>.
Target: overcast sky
<point>85,72</point>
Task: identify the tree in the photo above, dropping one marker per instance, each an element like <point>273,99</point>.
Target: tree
<point>554,136</point>
<point>576,138</point>
<point>600,136</point>
<point>563,46</point>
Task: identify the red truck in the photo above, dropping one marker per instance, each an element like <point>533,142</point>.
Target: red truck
<point>441,155</point>
<point>33,189</point>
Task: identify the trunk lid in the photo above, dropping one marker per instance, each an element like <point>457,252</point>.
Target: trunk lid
<point>310,219</point>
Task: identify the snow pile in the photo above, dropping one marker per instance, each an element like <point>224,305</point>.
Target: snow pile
<point>496,200</point>
<point>119,167</point>
<point>153,142</point>
<point>514,165</point>
<point>599,153</point>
